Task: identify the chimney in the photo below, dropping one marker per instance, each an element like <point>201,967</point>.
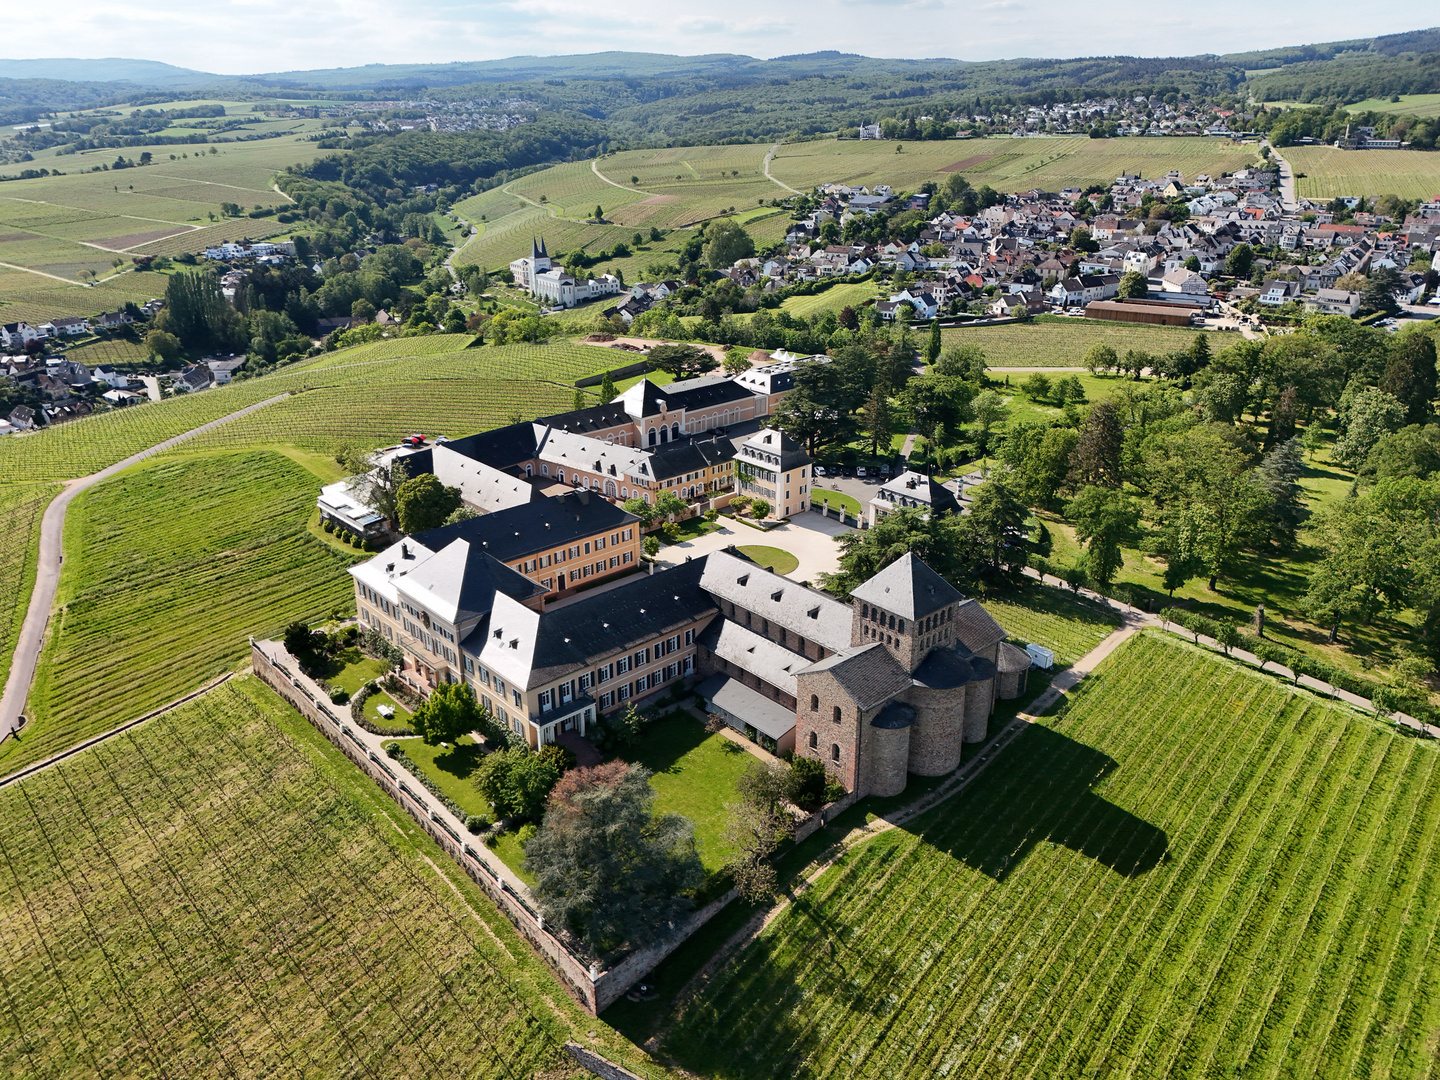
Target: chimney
<point>584,494</point>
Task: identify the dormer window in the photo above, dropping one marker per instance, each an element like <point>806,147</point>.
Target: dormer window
<point>744,579</point>
<point>777,594</point>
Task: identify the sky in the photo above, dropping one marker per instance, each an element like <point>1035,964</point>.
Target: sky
<point>253,36</point>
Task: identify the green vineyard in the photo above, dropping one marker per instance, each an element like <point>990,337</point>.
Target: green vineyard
<point>1191,871</point>
<point>201,897</point>
<point>21,508</point>
<point>168,568</point>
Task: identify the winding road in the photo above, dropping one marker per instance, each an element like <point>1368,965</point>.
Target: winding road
<point>47,571</point>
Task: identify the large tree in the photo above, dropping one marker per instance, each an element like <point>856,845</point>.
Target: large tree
<point>1366,414</point>
<point>996,526</point>
<point>1103,517</point>
<point>726,242</point>
<point>755,825</point>
<point>517,781</point>
<point>682,361</point>
<point>375,481</point>
<point>608,868</point>
<point>198,314</point>
<point>936,538</point>
<point>423,503</point>
<point>448,713</point>
<point>1097,458</point>
<point>1409,374</point>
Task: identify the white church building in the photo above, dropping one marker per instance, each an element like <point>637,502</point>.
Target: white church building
<point>552,285</point>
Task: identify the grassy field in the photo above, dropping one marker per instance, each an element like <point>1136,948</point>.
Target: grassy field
<point>1040,615</point>
<point>1409,104</point>
<point>53,227</point>
<point>1328,172</point>
<point>1060,341</point>
<point>694,776</point>
<point>219,893</point>
<point>1005,164</point>
<point>770,558</point>
<point>168,568</point>
<point>369,394</point>
<point>833,299</point>
<point>1191,871</point>
<point>839,499</point>
<point>21,507</point>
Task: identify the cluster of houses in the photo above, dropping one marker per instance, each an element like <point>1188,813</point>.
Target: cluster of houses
<point>1016,259</point>
<point>1138,115</point>
<point>271,252</point>
<point>16,336</point>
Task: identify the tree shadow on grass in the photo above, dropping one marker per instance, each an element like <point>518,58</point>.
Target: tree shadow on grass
<point>1056,804</point>
<point>666,741</point>
<point>460,760</point>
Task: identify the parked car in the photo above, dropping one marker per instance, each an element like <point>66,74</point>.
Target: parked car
<point>413,440</point>
<point>820,470</point>
<point>885,470</point>
<point>860,471</point>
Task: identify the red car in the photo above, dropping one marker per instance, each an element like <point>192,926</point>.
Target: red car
<point>413,440</point>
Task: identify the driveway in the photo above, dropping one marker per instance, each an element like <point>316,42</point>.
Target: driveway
<point>809,537</point>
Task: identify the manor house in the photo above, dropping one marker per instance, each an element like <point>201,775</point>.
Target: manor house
<point>892,683</point>
<point>550,283</point>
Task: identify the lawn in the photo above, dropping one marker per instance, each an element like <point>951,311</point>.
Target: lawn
<point>219,893</point>
<point>401,718</point>
<point>450,768</point>
<point>1190,871</point>
<point>168,567</point>
<point>694,775</point>
<point>839,499</point>
<point>1043,615</point>
<point>835,298</point>
<point>358,669</point>
<point>1328,172</point>
<point>1409,105</point>
<point>1061,341</point>
<point>21,508</point>
<point>770,558</point>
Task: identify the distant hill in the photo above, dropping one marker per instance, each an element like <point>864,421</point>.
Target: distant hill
<point>148,73</point>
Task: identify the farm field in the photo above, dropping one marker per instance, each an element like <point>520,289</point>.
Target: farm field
<point>368,394</point>
<point>21,507</point>
<point>1005,164</point>
<point>685,185</point>
<point>111,352</point>
<point>168,567</point>
<point>1328,172</point>
<point>60,225</point>
<point>216,894</point>
<point>1040,615</point>
<point>1410,104</point>
<point>1061,341</point>
<point>1189,871</point>
<point>832,299</point>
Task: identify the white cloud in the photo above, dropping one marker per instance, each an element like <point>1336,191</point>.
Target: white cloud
<point>241,36</point>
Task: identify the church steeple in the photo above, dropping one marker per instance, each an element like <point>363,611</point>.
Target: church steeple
<point>535,250</point>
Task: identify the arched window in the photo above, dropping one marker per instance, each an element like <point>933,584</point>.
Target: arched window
<point>664,434</point>
<point>674,431</point>
<point>653,436</point>
<point>892,622</point>
<point>529,470</point>
<point>544,470</point>
<point>837,714</point>
<point>814,740</point>
<point>902,626</point>
<point>814,703</point>
<point>834,751</point>
<point>864,611</point>
<point>561,474</point>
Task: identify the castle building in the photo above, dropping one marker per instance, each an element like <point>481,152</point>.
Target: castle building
<point>538,276</point>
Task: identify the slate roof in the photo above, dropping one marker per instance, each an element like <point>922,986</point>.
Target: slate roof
<point>500,448</point>
<point>895,715</point>
<point>911,488</point>
<point>773,441</point>
<point>759,656</point>
<point>944,669</point>
<point>974,627</point>
<point>911,590</point>
<point>690,455</point>
<point>537,526</point>
<point>532,649</point>
<point>1013,658</point>
<point>458,582</point>
<point>869,674</point>
<point>813,615</point>
<point>747,704</point>
<point>643,399</point>
<point>595,418</point>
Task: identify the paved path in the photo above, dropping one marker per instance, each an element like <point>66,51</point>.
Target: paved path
<point>1288,200</point>
<point>47,572</point>
<point>809,537</point>
<point>768,158</point>
<point>595,168</point>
